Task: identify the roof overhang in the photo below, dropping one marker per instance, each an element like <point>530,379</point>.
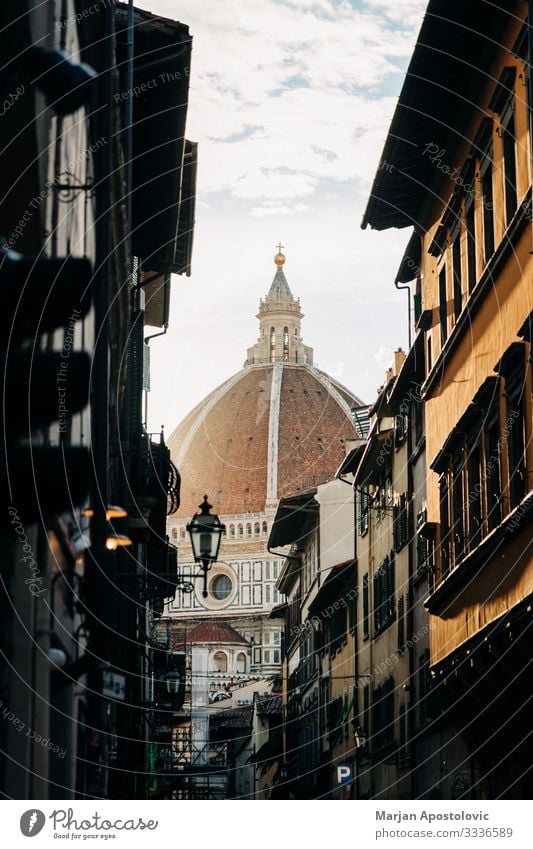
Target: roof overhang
<point>162,58</point>
<point>452,57</point>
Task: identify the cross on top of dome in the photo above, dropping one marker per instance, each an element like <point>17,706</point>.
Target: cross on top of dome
<point>279,290</point>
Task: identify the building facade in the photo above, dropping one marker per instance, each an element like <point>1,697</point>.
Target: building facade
<point>465,185</point>
<point>84,487</point>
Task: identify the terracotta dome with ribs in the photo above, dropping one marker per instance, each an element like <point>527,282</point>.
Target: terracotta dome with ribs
<point>275,428</point>
<point>224,447</point>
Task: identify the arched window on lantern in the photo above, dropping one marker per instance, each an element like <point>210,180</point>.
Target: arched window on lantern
<point>285,344</point>
<point>241,662</point>
<point>220,662</point>
<point>272,344</point>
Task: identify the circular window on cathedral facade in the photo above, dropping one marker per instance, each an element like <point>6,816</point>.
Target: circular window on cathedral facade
<point>221,587</point>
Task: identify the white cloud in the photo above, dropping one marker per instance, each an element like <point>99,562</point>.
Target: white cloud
<point>292,85</point>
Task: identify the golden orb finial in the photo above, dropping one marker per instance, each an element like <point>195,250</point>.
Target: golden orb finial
<point>279,259</point>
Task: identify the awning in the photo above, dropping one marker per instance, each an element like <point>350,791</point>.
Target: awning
<point>351,461</point>
<point>370,469</point>
<point>293,516</point>
<point>156,288</point>
<point>450,58</point>
<point>342,575</point>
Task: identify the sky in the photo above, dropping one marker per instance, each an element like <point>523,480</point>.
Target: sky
<point>290,102</point>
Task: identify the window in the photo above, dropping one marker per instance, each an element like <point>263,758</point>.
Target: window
<point>383,714</point>
<point>266,656</point>
<point>458,504</point>
<point>471,263</point>
<point>366,608</point>
<point>267,594</point>
<point>220,662</point>
<point>384,598</point>
<point>366,715</point>
<point>257,529</point>
<point>457,277</point>
<point>513,368</point>
<point>362,510</point>
<point>401,523</point>
<point>492,465</point>
<point>183,533</point>
<point>474,489</point>
<point>423,675</point>
<point>487,205</point>
<point>352,614</point>
<point>276,656</point>
<point>403,759</point>
<point>401,624</point>
<point>265,528</point>
<point>267,571</point>
<point>444,526</point>
<point>248,530</point>
<point>418,415</point>
<point>422,554</point>
<point>509,164</point>
<point>221,587</point>
<point>285,344</point>
<point>241,530</point>
<point>232,530</point>
<point>272,345</point>
<point>241,662</point>
<point>443,307</point>
<point>174,533</point>
<point>400,429</point>
<point>337,631</point>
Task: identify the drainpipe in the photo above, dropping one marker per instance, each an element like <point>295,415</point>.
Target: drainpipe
<point>407,288</point>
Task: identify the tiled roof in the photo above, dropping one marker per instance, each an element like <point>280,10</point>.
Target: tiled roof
<point>268,704</point>
<point>233,717</point>
<point>215,632</point>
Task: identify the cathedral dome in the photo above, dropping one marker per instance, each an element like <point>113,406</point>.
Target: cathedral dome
<point>276,427</point>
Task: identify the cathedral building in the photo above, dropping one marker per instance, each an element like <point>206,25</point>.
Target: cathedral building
<point>277,427</point>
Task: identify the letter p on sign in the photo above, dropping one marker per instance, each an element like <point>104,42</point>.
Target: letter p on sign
<point>344,774</point>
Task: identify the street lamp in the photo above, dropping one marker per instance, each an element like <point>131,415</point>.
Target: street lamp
<point>173,682</point>
<point>206,533</point>
<point>360,738</point>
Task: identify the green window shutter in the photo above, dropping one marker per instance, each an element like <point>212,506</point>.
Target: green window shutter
<point>377,600</point>
<point>366,608</point>
<point>351,614</point>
